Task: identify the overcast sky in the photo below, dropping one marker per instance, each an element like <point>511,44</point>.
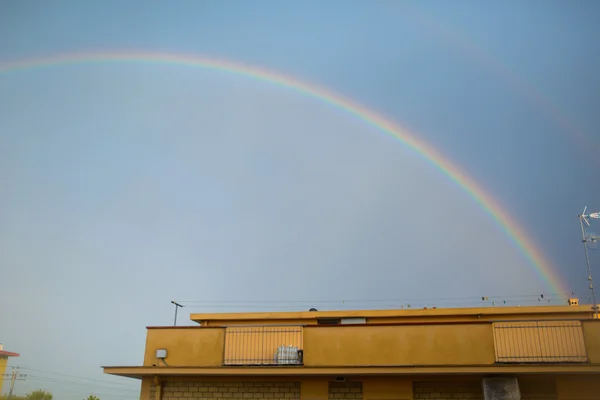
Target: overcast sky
<point>126,186</point>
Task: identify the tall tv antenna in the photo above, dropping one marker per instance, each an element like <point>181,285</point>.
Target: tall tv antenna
<point>177,307</point>
<point>589,240</point>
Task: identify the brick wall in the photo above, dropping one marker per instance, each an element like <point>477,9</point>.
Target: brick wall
<point>448,390</point>
<point>186,390</point>
<point>345,391</point>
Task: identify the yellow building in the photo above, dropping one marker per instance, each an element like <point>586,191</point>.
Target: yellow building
<point>4,362</point>
<point>541,353</point>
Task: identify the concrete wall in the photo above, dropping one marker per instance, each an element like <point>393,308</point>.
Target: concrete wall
<point>459,344</point>
<point>591,333</point>
<point>200,347</point>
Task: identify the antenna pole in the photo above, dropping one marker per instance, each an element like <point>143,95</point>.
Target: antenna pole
<point>587,260</point>
<point>177,305</point>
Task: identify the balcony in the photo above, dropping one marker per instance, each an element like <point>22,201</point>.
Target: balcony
<point>440,345</point>
<point>539,342</point>
<point>263,345</point>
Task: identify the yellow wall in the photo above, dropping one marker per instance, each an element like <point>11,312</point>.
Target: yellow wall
<point>259,322</point>
<point>578,387</point>
<point>145,388</point>
<point>398,345</point>
<point>359,345</point>
<point>536,387</point>
<point>200,347</point>
<point>387,389</point>
<point>314,390</point>
<point>400,316</point>
<point>3,363</point>
<point>591,332</point>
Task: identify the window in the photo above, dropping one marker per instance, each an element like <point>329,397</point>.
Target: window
<point>328,321</point>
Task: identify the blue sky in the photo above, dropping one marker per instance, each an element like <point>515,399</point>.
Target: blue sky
<point>126,186</point>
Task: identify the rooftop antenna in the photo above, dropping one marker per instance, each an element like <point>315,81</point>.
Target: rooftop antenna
<point>587,238</point>
<point>177,305</point>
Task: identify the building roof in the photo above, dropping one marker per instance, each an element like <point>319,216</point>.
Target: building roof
<point>8,354</point>
<point>402,314</point>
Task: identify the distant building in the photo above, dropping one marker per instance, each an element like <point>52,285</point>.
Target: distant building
<point>4,362</point>
<point>500,353</point>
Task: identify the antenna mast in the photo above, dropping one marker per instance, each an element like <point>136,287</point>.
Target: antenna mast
<point>177,306</point>
<point>583,218</point>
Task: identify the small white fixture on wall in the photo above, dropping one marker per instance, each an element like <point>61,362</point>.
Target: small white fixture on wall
<point>161,353</point>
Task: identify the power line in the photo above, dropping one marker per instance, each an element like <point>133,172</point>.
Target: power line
<point>428,299</point>
<point>81,377</point>
<point>387,306</point>
<point>409,302</point>
<point>83,384</point>
<point>83,389</point>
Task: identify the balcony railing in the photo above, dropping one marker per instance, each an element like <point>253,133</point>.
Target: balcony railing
<point>263,345</point>
<point>539,342</point>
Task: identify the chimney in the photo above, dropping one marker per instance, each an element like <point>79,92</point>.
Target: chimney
<point>1,346</point>
<point>573,301</point>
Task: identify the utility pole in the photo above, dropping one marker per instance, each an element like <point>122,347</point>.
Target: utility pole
<point>14,376</point>
<point>177,305</point>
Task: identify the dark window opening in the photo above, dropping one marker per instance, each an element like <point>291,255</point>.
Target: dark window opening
<point>329,321</point>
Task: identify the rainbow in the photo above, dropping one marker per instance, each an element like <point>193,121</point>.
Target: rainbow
<point>507,224</point>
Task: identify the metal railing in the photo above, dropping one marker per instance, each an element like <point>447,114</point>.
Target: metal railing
<point>539,342</point>
<point>263,345</point>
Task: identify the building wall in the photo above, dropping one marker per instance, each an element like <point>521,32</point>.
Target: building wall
<point>538,388</point>
<point>566,387</point>
<point>201,347</point>
<point>314,389</point>
<point>580,387</point>
<point>591,332</point>
<point>345,391</point>
<point>3,363</point>
<point>471,389</point>
<point>444,315</point>
<point>379,345</point>
<point>460,344</point>
<point>186,390</point>
<point>258,322</point>
<point>380,388</point>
